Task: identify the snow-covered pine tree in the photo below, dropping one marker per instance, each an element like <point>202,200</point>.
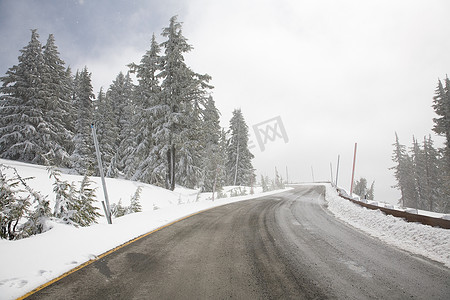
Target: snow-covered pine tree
<point>74,206</point>
<point>107,132</point>
<point>57,91</point>
<point>118,210</point>
<point>441,105</point>
<point>360,188</point>
<point>371,191</point>
<point>14,205</point>
<point>434,183</point>
<point>85,211</point>
<point>147,92</point>
<point>419,173</point>
<point>239,166</point>
<point>191,148</point>
<point>278,181</point>
<point>264,184</point>
<point>65,198</point>
<point>214,157</point>
<point>402,173</point>
<point>83,156</point>
<point>135,205</point>
<point>70,118</point>
<point>22,106</point>
<point>19,203</point>
<point>120,95</point>
<point>221,177</point>
<point>180,87</point>
<point>41,213</point>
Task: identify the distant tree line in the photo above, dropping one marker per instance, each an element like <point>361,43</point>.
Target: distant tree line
<point>276,183</point>
<point>423,171</point>
<point>162,130</point>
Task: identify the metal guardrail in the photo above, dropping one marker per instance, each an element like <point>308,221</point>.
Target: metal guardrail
<point>426,220</point>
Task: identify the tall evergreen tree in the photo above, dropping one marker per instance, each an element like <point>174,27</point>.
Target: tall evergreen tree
<point>22,106</point>
<point>107,132</point>
<point>441,105</point>
<point>147,93</point>
<point>180,87</point>
<point>433,180</point>
<point>71,117</point>
<point>83,157</point>
<point>57,88</point>
<point>214,153</point>
<point>191,148</point>
<point>35,102</point>
<point>402,173</point>
<point>239,167</point>
<point>420,176</point>
<point>120,95</point>
<point>371,191</point>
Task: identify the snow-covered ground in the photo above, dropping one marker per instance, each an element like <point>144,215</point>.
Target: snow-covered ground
<point>416,238</point>
<point>31,262</point>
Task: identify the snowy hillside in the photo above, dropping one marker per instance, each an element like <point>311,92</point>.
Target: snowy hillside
<point>36,260</point>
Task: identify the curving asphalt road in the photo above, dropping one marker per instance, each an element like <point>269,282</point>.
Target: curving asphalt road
<point>277,247</point>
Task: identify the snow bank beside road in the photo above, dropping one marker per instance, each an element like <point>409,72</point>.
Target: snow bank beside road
<point>345,194</point>
<point>416,238</point>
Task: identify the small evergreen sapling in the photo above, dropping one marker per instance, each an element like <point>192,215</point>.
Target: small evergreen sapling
<point>65,197</point>
<point>17,219</point>
<point>74,206</point>
<point>12,206</point>
<point>135,205</point>
<point>119,210</point>
<point>37,220</point>
<point>86,213</point>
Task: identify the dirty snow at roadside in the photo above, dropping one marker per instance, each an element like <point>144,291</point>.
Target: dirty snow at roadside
<point>416,238</point>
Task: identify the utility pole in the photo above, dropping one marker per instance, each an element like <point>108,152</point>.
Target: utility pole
<point>331,172</point>
<point>337,170</point>
<point>353,171</point>
<point>287,176</point>
<point>100,167</point>
<point>312,173</point>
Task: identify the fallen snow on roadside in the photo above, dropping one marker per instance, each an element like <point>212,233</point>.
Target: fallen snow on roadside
<point>31,262</point>
<point>416,238</point>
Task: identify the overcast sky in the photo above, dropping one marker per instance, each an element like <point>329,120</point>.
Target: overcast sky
<point>336,72</point>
